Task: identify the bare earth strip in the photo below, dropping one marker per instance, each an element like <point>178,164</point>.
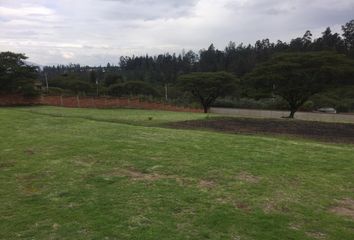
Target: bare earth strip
<point>328,132</point>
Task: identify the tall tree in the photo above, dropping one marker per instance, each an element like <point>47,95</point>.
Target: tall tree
<point>211,60</point>
<point>93,77</point>
<point>303,43</point>
<point>329,41</point>
<point>348,34</point>
<point>208,86</point>
<point>297,76</point>
<point>15,75</point>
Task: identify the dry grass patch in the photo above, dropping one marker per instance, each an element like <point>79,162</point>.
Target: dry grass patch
<point>238,204</point>
<point>6,165</point>
<point>316,235</point>
<point>27,182</point>
<point>84,162</point>
<point>269,207</point>
<point>344,208</point>
<point>279,203</point>
<point>243,206</point>
<point>247,177</point>
<point>294,226</point>
<point>206,184</point>
<point>29,151</point>
<point>136,175</point>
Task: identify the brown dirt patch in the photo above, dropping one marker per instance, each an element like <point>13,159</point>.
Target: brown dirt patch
<point>247,177</point>
<point>136,175</point>
<point>316,235</point>
<point>329,132</point>
<point>344,208</point>
<point>31,176</point>
<point>29,151</point>
<point>6,165</point>
<point>239,204</point>
<point>294,226</point>
<point>84,162</point>
<point>242,206</point>
<point>269,207</point>
<point>224,200</point>
<point>206,184</point>
<point>33,183</point>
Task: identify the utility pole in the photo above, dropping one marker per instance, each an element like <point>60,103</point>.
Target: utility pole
<point>46,81</point>
<point>166,92</point>
<point>97,86</point>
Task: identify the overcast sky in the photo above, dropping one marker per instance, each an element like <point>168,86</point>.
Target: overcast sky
<point>99,31</point>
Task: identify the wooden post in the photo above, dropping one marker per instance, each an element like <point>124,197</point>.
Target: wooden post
<point>93,102</point>
<point>78,100</point>
<point>61,100</point>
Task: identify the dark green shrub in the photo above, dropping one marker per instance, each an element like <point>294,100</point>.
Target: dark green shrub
<point>250,103</point>
<point>29,90</point>
<point>132,88</point>
<point>308,106</point>
<point>55,91</point>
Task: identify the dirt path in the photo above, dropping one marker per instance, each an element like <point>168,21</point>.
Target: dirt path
<point>269,114</point>
<point>329,132</point>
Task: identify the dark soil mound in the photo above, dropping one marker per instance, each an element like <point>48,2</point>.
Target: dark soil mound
<point>329,132</point>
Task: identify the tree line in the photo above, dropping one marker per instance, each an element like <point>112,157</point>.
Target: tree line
<point>237,59</point>
<point>258,70</point>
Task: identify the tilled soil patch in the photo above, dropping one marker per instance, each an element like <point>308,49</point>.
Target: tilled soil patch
<point>329,132</point>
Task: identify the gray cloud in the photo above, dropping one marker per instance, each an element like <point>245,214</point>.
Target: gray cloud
<point>142,9</point>
<point>97,31</point>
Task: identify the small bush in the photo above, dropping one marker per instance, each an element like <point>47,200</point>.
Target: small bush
<point>342,99</point>
<point>55,91</point>
<point>308,106</point>
<point>249,103</point>
<point>132,88</point>
<point>30,91</point>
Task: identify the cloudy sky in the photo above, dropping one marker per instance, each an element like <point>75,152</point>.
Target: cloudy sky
<point>99,31</point>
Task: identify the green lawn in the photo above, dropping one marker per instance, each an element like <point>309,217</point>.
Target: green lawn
<point>127,116</point>
<point>87,174</point>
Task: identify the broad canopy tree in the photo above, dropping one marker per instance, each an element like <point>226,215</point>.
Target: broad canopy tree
<point>15,75</point>
<point>208,86</point>
<point>298,76</point>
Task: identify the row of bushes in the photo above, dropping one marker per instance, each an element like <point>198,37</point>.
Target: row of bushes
<point>119,89</point>
<point>275,103</point>
<point>341,99</point>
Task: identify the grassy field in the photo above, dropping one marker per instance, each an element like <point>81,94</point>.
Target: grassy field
<point>125,116</point>
<point>115,174</point>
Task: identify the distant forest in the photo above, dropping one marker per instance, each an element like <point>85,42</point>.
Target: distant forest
<point>162,71</point>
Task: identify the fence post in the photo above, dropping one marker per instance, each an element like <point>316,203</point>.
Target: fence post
<point>61,100</point>
<point>78,100</point>
<point>93,102</point>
